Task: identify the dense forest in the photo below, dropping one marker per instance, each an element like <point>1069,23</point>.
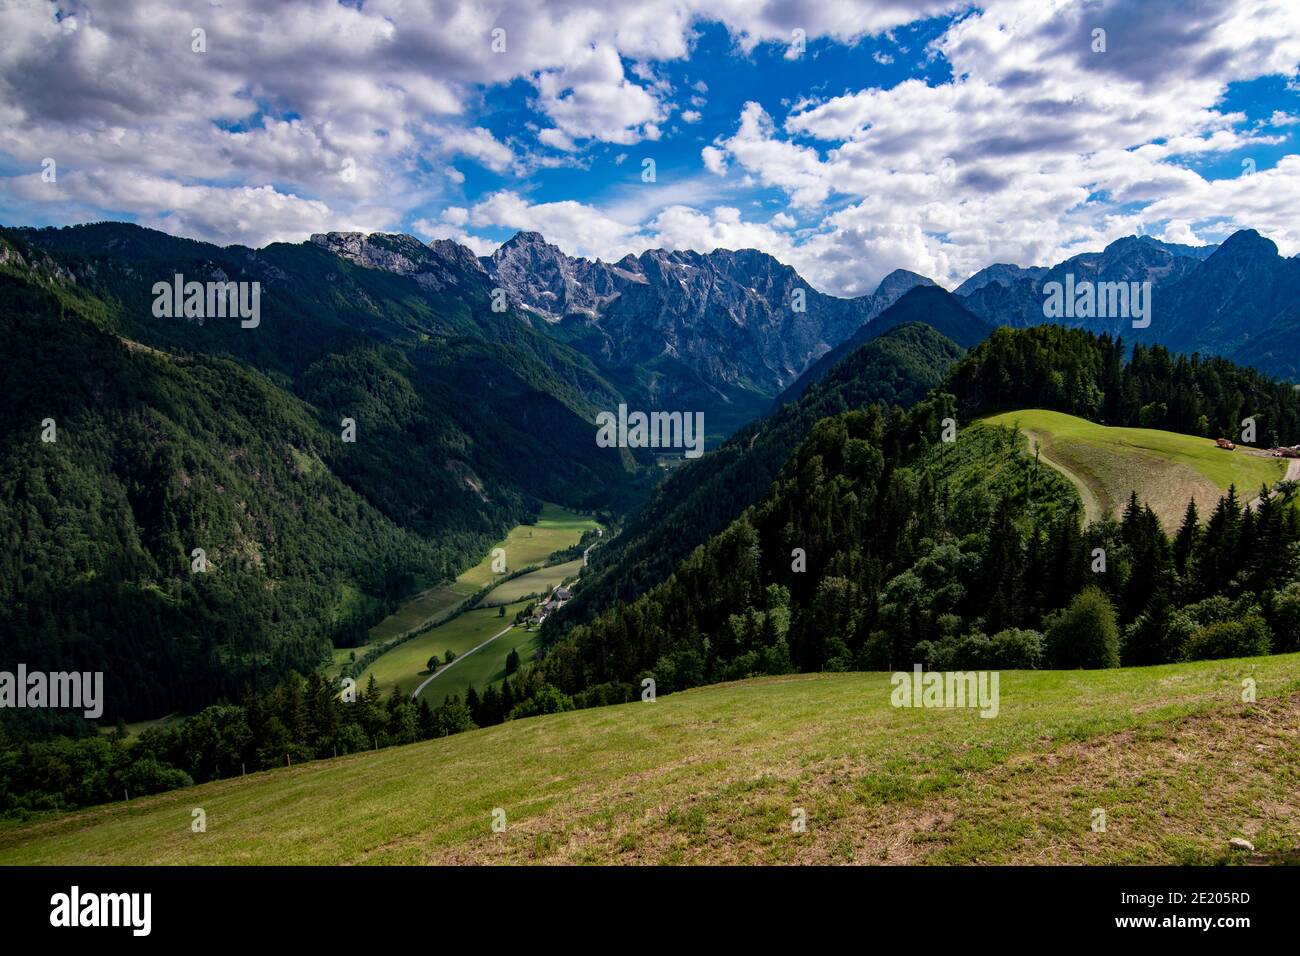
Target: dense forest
<point>897,368</point>
<point>880,544</point>
<point>1074,371</point>
<point>880,547</point>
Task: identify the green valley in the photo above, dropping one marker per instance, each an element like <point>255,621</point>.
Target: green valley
<point>405,663</point>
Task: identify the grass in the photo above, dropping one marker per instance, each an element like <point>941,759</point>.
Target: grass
<point>1165,468</point>
<point>432,604</point>
<point>525,544</point>
<point>484,667</point>
<point>555,530</point>
<point>536,582</point>
<point>713,775</point>
<point>407,663</point>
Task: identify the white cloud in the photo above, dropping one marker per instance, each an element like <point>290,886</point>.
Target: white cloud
<point>714,159</point>
<point>478,144</point>
<point>311,114</point>
<point>576,227</point>
<point>1037,148</point>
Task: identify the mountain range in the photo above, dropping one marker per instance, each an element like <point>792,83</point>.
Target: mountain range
<point>472,384</point>
<point>718,331</point>
<point>1239,299</point>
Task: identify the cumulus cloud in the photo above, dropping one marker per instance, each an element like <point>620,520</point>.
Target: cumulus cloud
<point>312,114</point>
<point>1038,147</point>
<point>576,227</point>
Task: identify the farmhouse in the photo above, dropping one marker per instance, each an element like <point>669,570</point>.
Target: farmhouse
<point>1225,444</point>
<point>558,598</point>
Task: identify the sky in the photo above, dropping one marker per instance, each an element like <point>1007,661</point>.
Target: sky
<point>847,138</point>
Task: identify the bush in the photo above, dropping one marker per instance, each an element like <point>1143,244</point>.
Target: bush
<point>1012,649</point>
<point>149,776</point>
<point>547,700</point>
<point>1085,634</point>
<point>1283,616</point>
<point>1247,637</point>
<point>1017,649</point>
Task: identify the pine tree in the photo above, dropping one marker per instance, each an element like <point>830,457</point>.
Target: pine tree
<point>1189,533</point>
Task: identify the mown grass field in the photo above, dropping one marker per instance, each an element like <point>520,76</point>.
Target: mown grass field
<point>407,663</point>
<point>1165,468</point>
<point>1175,758</point>
<point>429,605</point>
<point>555,530</point>
<point>536,582</point>
<point>527,544</point>
<point>484,667</point>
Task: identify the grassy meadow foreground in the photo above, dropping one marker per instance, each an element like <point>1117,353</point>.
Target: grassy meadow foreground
<point>1106,464</point>
<point>714,775</point>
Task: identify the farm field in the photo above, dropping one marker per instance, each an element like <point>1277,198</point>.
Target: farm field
<point>1177,761</point>
<point>527,544</point>
<point>430,605</point>
<point>555,530</point>
<point>540,581</point>
<point>405,662</point>
<point>1166,468</point>
<point>484,667</point>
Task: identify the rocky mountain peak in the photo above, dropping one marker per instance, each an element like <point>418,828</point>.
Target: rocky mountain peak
<point>435,268</point>
<point>1247,243</point>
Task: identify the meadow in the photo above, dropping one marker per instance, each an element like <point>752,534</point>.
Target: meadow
<point>1107,464</point>
<point>407,663</point>
<point>1172,756</point>
<point>555,530</point>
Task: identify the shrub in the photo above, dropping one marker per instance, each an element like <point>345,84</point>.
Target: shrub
<point>1247,637</point>
<point>1085,634</point>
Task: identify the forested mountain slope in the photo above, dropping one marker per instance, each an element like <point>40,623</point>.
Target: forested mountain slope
<point>176,434</point>
<point>703,497</point>
<point>888,540</point>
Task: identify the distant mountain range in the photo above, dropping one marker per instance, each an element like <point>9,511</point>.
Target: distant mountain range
<point>1239,299</point>
<point>719,331</point>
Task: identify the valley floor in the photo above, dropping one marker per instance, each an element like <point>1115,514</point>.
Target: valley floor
<point>1171,754</point>
<point>405,662</point>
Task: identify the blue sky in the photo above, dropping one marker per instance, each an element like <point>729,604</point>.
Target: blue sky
<point>846,138</point>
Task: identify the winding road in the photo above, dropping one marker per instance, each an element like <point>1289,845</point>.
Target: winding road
<point>442,670</point>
